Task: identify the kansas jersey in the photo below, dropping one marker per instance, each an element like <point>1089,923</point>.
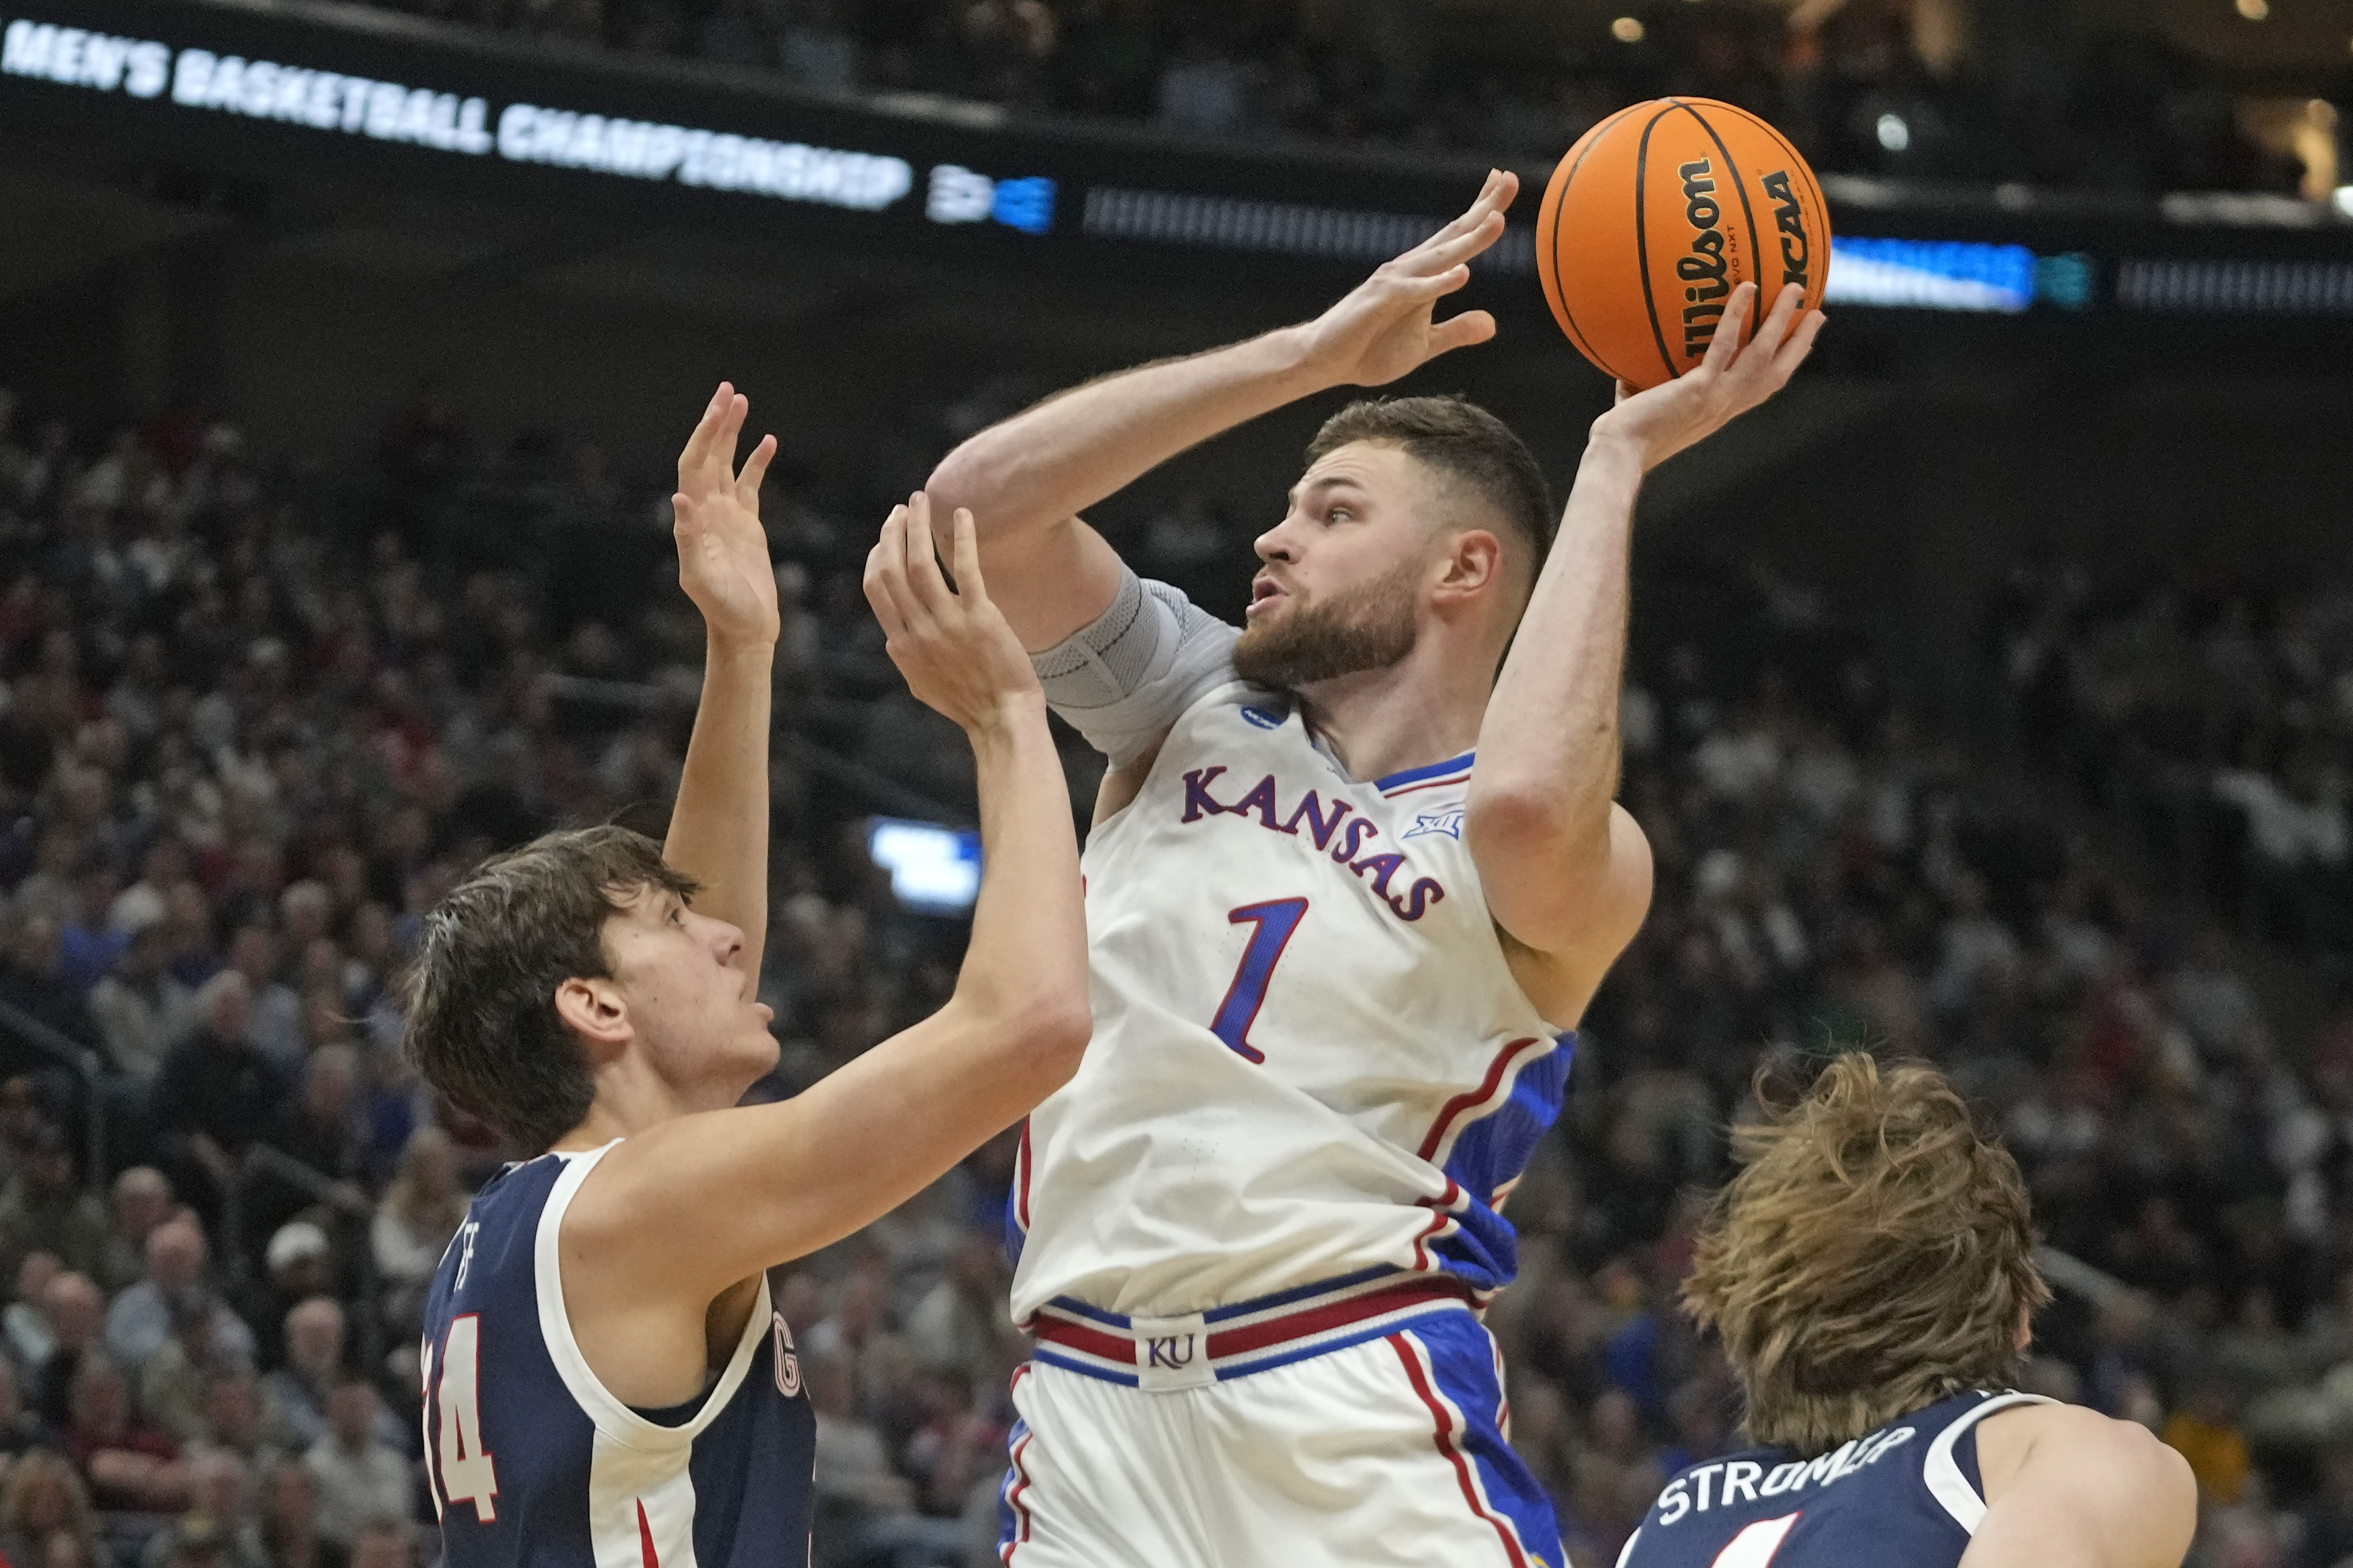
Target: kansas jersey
<point>1906,1496</point>
<point>534,1462</point>
<point>1311,1060</point>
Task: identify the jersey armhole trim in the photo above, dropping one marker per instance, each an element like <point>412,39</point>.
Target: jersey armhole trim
<point>1942,1472</point>
<point>1160,751</point>
<point>607,1414</point>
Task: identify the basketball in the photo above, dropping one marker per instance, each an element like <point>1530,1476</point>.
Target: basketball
<point>1656,215</point>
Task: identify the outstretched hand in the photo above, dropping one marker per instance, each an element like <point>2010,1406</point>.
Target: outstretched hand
<point>1729,382</point>
<point>953,645</point>
<point>1384,328</point>
<point>723,551</point>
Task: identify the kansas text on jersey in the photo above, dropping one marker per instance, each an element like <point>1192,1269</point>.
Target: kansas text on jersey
<point>534,1462</point>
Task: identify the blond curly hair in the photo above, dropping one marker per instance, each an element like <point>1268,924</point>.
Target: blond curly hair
<point>1874,1255</point>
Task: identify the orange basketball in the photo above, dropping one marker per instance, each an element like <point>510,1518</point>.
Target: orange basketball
<point>1657,214</point>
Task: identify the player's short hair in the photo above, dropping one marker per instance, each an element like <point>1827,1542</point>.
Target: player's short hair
<point>1466,443</point>
<point>482,1020</point>
<point>1874,1255</point>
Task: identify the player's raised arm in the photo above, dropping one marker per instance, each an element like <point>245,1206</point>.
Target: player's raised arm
<point>2069,1488</point>
<point>698,1203</point>
<point>719,825</point>
<point>1566,870</point>
<point>1030,477</point>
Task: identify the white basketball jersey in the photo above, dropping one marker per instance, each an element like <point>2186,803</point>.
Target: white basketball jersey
<point>1310,1057</point>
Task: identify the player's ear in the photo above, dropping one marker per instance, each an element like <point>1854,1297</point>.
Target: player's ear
<point>1475,562</point>
<point>596,1012</point>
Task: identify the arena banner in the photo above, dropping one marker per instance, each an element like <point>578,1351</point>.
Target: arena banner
<point>260,88</point>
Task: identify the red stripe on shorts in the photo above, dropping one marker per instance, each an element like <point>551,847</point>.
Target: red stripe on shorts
<point>1446,1446</point>
<point>1013,1501</point>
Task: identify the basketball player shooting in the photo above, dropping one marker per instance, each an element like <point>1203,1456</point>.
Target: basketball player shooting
<point>1871,1273</point>
<point>606,1377</point>
<point>1350,890</point>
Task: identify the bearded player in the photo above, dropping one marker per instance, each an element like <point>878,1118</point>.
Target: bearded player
<point>1871,1273</point>
<point>1350,890</point>
<point>606,1380</point>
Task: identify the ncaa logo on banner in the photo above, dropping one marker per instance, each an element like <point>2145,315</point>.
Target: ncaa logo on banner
<point>788,1361</point>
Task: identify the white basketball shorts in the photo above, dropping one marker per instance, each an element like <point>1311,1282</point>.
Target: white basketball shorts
<point>1347,1426</point>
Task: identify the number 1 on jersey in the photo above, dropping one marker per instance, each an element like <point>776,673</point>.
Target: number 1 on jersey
<point>1273,923</point>
<point>1753,1546</point>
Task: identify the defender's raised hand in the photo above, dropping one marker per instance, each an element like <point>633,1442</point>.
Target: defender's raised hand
<point>953,645</point>
<point>723,551</point>
<point>1384,328</point>
<point>1728,382</point>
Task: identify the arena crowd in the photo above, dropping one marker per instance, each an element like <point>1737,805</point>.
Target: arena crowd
<point>254,719</point>
<point>1912,87</point>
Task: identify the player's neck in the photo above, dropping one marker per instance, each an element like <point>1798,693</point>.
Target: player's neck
<point>631,1098</point>
<point>1424,709</point>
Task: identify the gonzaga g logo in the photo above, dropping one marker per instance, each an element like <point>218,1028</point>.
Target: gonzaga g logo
<point>788,1361</point>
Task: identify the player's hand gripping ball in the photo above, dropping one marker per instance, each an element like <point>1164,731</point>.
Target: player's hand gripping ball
<point>1657,214</point>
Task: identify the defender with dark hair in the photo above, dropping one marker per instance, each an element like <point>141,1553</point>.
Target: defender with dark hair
<point>1356,872</point>
<point>606,1377</point>
<point>1871,1274</point>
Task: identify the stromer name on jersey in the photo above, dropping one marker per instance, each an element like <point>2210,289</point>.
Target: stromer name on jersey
<point>1747,1481</point>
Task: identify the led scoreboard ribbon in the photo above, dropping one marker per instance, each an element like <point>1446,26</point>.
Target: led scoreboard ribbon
<point>249,87</point>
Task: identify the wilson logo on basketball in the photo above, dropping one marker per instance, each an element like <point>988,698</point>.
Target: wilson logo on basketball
<point>1790,219</point>
<point>1705,268</point>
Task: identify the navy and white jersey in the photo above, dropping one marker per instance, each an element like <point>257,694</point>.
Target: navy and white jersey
<point>533,1461</point>
<point>1906,1496</point>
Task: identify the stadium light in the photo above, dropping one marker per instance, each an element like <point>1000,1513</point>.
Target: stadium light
<point>1627,30</point>
<point>1894,134</point>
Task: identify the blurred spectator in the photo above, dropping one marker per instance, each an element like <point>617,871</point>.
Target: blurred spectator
<point>21,1430</point>
<point>420,1212</point>
<point>44,1209</point>
<point>213,1092</point>
<point>360,1478</point>
<point>141,1201</point>
<point>34,980</point>
<point>174,1383</point>
<point>290,1521</point>
<point>143,1316</point>
<point>298,1399</point>
<point>815,51</point>
<point>143,1009</point>
<point>2324,1534</point>
<point>126,1462</point>
<point>2206,1432</point>
<point>864,1504</point>
<point>385,1542</point>
<point>257,953</point>
<point>75,1313</point>
<point>41,1499</point>
<point>221,1498</point>
<point>297,1264</point>
<point>960,1326</point>
<point>957,1447</point>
